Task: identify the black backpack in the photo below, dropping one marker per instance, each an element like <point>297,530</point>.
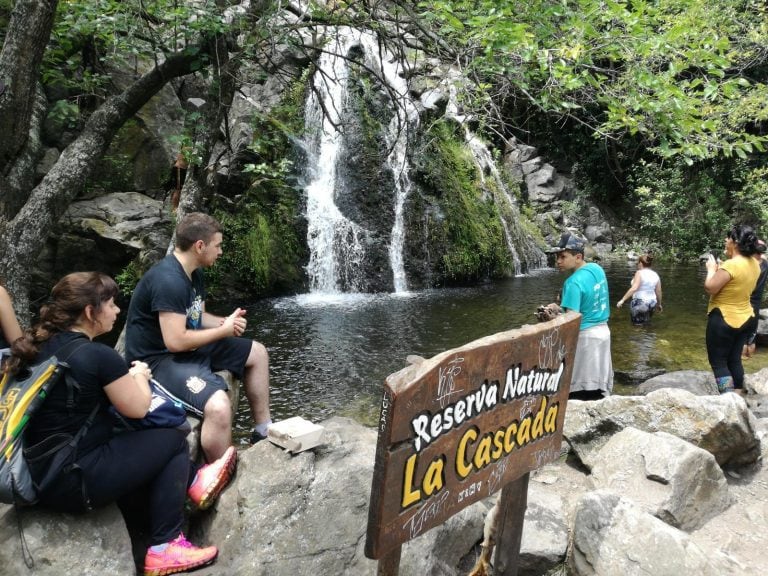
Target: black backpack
<point>22,396</point>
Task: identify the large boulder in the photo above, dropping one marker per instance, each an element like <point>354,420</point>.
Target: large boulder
<point>699,382</point>
<point>668,477</point>
<point>545,531</point>
<point>613,536</point>
<point>105,233</point>
<point>722,425</point>
<point>307,514</point>
<point>94,544</point>
<point>757,383</point>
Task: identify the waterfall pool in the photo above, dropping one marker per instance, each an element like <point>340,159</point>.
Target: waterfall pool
<point>330,353</point>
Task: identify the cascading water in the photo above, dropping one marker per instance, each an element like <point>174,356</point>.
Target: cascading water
<point>509,213</point>
<point>330,257</point>
<point>337,244</point>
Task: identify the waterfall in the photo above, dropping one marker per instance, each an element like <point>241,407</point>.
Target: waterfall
<point>397,141</point>
<point>331,258</point>
<point>337,244</point>
<point>509,213</point>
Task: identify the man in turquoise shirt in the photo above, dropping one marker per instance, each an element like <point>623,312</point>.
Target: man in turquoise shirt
<point>586,291</point>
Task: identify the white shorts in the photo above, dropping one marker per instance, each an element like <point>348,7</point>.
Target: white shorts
<point>592,366</point>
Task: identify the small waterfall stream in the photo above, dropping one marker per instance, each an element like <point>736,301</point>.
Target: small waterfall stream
<point>509,213</point>
<point>334,241</point>
<point>337,244</point>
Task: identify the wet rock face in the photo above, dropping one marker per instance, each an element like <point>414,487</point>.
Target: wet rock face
<point>366,194</point>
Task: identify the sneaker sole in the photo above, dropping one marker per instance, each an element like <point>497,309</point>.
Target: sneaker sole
<point>175,569</point>
<point>209,497</point>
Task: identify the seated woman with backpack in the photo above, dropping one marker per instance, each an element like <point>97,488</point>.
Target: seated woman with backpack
<point>109,466</point>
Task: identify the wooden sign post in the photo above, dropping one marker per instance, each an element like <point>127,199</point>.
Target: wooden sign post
<point>458,427</point>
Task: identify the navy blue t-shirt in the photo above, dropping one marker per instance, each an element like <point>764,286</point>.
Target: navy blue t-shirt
<point>93,366</point>
<point>164,288</point>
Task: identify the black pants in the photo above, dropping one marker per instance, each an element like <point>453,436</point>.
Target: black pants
<point>724,346</point>
<point>154,461</point>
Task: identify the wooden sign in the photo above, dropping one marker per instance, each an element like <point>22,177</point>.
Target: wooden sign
<point>456,428</point>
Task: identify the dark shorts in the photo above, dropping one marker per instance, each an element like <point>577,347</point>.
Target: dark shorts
<point>191,376</point>
<point>641,311</point>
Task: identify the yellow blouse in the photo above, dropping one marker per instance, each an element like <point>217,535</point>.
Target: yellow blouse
<point>733,298</point>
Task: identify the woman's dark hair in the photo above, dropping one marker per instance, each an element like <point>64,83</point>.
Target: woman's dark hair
<point>646,260</point>
<point>69,298</point>
<point>745,238</point>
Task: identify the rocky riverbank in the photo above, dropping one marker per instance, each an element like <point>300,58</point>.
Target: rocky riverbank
<point>671,483</point>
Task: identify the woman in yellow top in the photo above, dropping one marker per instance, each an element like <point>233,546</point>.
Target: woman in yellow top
<point>731,318</point>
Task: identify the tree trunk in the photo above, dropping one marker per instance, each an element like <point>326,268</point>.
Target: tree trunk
<point>219,95</point>
<point>25,234</point>
<point>26,40</point>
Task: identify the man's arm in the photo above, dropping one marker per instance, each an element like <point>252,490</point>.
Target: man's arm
<point>209,320</point>
<point>178,338</point>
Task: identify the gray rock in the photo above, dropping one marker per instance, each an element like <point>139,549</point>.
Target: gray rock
<point>307,514</point>
<point>668,477</point>
<point>722,425</point>
<point>544,183</point>
<point>699,382</point>
<point>612,536</point>
<point>758,405</point>
<point>50,157</point>
<point>545,531</point>
<point>94,544</point>
<point>757,383</point>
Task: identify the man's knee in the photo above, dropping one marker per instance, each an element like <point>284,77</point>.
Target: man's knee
<point>218,408</point>
<point>259,355</point>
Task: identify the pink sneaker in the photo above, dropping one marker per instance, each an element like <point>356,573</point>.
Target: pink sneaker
<point>180,556</point>
<point>211,479</point>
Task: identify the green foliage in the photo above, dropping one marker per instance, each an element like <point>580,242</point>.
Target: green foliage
<point>5,15</point>
<point>91,38</point>
<point>669,72</point>
<point>128,278</point>
<point>471,230</point>
<point>688,208</point>
<point>751,201</point>
<point>115,170</point>
<point>64,114</point>
<point>248,247</point>
<point>263,249</point>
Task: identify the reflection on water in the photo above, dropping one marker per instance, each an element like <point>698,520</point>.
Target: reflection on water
<point>330,354</point>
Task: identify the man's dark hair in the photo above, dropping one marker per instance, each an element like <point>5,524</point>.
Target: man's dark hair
<point>193,227</point>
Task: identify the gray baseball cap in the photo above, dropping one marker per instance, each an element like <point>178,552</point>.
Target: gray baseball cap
<point>569,241</point>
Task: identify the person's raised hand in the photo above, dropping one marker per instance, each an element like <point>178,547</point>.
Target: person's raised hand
<point>239,321</point>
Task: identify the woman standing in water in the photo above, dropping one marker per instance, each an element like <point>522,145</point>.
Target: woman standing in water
<point>645,292</point>
<point>730,317</point>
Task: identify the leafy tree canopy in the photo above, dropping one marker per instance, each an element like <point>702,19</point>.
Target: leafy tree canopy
<point>686,76</point>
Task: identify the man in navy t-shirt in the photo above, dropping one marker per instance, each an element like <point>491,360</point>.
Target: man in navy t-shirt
<point>169,329</point>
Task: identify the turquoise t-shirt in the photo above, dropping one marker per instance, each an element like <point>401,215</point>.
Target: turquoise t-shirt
<point>586,291</point>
